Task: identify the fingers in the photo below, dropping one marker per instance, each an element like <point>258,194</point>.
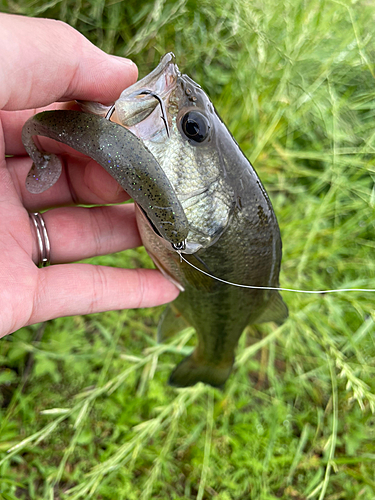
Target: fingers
<point>82,181</point>
<point>80,233</point>
<point>35,51</point>
<point>71,289</point>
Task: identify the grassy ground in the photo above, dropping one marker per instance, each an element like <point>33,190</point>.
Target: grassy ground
<point>84,404</point>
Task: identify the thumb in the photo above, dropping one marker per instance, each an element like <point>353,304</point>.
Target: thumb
<point>43,61</point>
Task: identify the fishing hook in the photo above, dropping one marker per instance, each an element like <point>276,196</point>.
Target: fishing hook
<point>153,94</point>
<point>179,246</point>
<point>110,112</point>
<point>162,106</point>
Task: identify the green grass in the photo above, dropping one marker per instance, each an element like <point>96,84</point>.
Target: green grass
<point>85,409</point>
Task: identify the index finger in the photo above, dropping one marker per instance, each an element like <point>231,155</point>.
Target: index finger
<point>44,61</point>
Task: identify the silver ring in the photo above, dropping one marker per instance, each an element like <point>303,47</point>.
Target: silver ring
<point>44,246</point>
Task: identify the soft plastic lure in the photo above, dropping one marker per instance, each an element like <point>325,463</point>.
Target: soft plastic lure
<point>119,152</point>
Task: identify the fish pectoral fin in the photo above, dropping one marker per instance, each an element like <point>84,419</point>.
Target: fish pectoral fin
<point>195,278</point>
<point>276,310</point>
<point>171,322</point>
<point>191,371</point>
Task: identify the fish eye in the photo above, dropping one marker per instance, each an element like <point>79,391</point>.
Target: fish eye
<point>195,126</point>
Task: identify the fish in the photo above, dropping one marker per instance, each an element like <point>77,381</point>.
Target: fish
<point>223,225</point>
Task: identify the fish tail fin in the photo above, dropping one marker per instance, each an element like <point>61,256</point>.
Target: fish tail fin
<point>192,370</point>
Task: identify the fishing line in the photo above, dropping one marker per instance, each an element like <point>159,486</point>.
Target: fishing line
<point>280,289</point>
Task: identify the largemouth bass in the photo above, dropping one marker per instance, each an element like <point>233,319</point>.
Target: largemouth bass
<point>222,221</point>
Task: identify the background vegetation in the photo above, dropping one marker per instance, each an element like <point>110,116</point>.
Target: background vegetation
<point>84,405</point>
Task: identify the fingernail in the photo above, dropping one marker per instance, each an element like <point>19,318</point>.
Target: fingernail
<point>124,60</point>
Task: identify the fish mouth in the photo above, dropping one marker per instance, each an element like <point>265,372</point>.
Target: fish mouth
<point>142,107</point>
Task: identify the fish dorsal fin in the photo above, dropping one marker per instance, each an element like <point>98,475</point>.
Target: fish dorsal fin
<point>276,310</point>
<point>171,322</point>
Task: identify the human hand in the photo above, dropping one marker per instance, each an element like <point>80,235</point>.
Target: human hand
<point>44,65</point>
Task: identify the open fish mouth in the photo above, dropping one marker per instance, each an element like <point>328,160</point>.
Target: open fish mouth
<point>142,107</point>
